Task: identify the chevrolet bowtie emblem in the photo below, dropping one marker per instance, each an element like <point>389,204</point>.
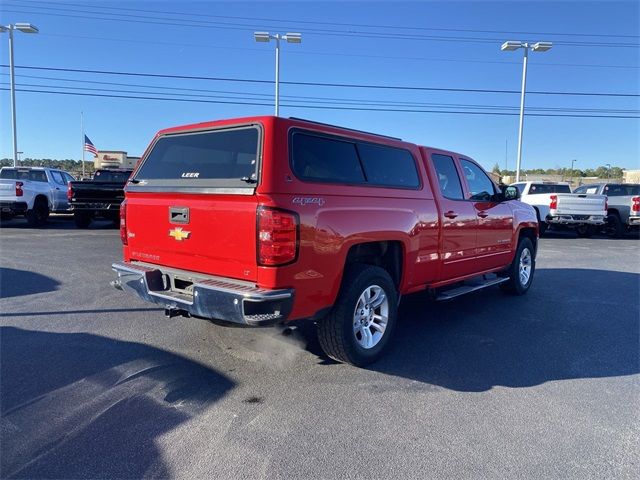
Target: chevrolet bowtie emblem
<point>179,234</point>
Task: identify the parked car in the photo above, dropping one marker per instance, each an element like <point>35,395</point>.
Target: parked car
<point>33,192</point>
<point>556,205</point>
<point>623,212</point>
<point>100,197</point>
<point>266,220</point>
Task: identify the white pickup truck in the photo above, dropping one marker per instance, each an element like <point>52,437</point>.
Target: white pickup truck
<point>33,192</point>
<point>556,205</point>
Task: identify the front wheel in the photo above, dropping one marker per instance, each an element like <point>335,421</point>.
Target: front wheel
<point>359,326</point>
<point>522,268</point>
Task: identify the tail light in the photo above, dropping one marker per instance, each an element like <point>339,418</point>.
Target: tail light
<point>69,191</point>
<point>635,204</point>
<point>606,204</point>
<point>277,242</point>
<point>554,202</point>
<point>123,223</point>
<point>19,191</point>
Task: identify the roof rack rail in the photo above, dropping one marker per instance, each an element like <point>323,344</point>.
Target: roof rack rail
<point>345,128</point>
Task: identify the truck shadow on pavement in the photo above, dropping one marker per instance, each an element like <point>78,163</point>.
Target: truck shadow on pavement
<point>488,339</point>
<point>491,339</point>
<point>58,222</point>
<point>15,283</point>
<point>85,406</point>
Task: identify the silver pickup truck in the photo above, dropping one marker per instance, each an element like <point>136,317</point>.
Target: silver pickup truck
<point>623,212</point>
<point>33,192</point>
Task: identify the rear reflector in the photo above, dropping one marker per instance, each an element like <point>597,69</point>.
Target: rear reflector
<point>19,191</point>
<point>123,222</point>
<point>277,237</point>
<point>69,191</point>
<point>554,202</point>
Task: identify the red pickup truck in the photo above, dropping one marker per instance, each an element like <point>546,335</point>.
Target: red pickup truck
<point>266,220</point>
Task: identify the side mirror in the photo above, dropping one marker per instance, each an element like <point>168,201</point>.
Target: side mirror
<point>510,193</point>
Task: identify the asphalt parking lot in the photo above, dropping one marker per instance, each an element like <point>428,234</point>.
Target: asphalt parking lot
<point>95,383</point>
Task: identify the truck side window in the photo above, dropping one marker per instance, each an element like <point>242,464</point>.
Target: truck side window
<point>480,185</point>
<point>57,177</point>
<point>448,178</point>
<point>325,159</point>
<point>388,166</point>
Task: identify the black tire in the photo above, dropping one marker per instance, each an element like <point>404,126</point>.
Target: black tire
<point>585,231</point>
<point>37,216</point>
<point>336,331</point>
<point>514,285</point>
<point>82,219</point>
<point>614,227</point>
<point>542,226</point>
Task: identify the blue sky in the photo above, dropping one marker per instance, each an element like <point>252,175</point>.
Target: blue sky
<point>215,42</point>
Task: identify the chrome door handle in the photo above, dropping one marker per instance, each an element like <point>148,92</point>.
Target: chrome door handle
<point>451,214</point>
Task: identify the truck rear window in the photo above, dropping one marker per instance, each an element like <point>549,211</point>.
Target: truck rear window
<point>214,158</point>
<point>111,176</point>
<point>18,174</point>
<point>548,188</point>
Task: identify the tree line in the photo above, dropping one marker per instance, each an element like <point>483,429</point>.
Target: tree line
<point>72,166</point>
<point>600,172</point>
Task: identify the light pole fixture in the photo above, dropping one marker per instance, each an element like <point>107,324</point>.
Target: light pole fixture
<point>290,38</point>
<point>24,28</point>
<point>536,47</point>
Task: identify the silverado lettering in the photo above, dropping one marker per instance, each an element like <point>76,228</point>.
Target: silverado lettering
<point>403,218</point>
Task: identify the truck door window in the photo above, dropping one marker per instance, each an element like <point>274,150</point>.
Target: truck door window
<point>480,185</point>
<point>448,178</point>
<point>57,177</point>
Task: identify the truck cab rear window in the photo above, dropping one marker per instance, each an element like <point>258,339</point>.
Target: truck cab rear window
<point>108,176</point>
<point>548,188</point>
<point>17,174</point>
<point>216,158</point>
<point>326,159</point>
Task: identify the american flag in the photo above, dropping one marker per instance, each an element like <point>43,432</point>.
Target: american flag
<point>89,147</point>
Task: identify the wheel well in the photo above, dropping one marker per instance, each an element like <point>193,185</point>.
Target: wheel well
<point>613,211</point>
<point>41,199</point>
<point>529,233</point>
<point>386,254</point>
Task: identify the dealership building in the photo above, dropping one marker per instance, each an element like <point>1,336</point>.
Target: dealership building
<point>114,159</point>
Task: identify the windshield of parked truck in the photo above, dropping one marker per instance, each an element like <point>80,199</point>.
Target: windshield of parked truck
<point>537,188</point>
<point>111,176</point>
<point>214,158</point>
<point>19,174</point>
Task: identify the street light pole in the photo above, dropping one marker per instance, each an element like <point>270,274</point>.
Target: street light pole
<point>25,28</point>
<point>521,126</point>
<point>536,47</point>
<point>290,38</point>
<point>572,162</point>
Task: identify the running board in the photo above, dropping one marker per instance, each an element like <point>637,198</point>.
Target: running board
<point>478,284</point>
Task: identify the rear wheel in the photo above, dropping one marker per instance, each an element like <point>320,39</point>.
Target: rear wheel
<point>522,268</point>
<point>37,216</point>
<point>614,227</point>
<point>585,231</point>
<point>361,323</point>
<point>82,219</point>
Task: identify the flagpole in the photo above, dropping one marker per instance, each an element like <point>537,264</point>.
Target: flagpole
<point>82,134</point>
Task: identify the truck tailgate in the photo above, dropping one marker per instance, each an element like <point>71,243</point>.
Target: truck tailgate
<point>210,234</point>
<point>8,190</point>
<point>580,204</point>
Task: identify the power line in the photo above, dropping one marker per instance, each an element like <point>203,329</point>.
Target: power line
<point>351,33</point>
<point>176,91</point>
<point>352,55</point>
<point>324,107</point>
<point>319,84</point>
<point>402,27</point>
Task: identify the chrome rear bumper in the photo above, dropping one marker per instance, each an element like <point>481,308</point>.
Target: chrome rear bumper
<point>204,296</point>
<point>563,219</point>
